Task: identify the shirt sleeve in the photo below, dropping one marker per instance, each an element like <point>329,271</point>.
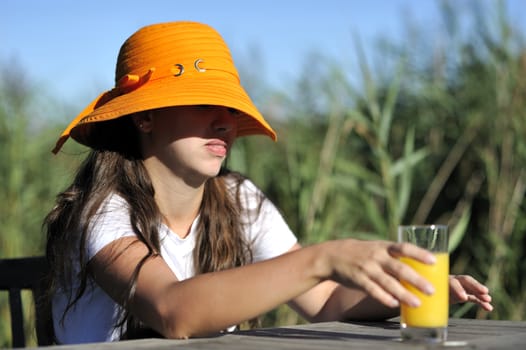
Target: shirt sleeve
<point>267,230</point>
<point>111,222</point>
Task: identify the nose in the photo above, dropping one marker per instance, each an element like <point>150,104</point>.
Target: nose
<point>225,121</point>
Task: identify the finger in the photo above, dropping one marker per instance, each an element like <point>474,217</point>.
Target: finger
<point>484,304</point>
<point>475,289</point>
<point>403,272</point>
<point>485,297</point>
<point>388,278</point>
<point>462,286</point>
<point>457,293</point>
<point>471,285</point>
<point>408,250</point>
<point>374,290</point>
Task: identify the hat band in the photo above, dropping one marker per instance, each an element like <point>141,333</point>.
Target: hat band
<point>131,82</point>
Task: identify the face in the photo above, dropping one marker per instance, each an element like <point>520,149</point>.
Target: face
<point>192,141</point>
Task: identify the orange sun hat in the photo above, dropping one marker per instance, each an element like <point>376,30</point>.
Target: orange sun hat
<point>166,65</point>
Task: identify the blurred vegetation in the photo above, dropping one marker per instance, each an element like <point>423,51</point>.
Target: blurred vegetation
<point>433,133</point>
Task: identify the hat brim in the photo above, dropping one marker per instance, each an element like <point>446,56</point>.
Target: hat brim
<point>170,92</point>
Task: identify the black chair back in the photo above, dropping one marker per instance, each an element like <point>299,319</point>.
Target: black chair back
<point>26,273</point>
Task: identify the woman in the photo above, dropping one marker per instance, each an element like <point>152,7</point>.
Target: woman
<point>154,233</point>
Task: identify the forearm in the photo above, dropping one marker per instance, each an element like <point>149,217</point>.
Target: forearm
<point>210,302</point>
<point>354,304</point>
<point>329,301</point>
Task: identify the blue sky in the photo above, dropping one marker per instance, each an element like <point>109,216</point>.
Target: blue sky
<point>71,46</point>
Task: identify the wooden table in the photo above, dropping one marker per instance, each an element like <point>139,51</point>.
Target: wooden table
<point>463,334</point>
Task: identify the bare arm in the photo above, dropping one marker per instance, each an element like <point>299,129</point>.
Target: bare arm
<point>210,302</point>
<point>206,303</point>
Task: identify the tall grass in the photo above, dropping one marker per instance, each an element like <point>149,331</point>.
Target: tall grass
<point>440,139</point>
<point>29,178</point>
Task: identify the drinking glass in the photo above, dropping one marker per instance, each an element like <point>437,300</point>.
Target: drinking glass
<point>427,322</point>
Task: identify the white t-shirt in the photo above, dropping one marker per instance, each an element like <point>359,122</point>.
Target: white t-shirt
<point>93,317</point>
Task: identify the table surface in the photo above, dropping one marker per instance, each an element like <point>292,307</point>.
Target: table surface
<point>462,334</point>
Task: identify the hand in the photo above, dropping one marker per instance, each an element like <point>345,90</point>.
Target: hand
<point>374,267</point>
<point>463,288</point>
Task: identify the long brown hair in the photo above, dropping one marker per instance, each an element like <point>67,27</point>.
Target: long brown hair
<point>116,166</point>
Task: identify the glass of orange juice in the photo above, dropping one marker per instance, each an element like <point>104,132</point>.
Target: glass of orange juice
<point>427,322</point>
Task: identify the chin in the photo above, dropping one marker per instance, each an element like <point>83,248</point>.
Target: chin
<point>210,169</point>
<point>211,172</point>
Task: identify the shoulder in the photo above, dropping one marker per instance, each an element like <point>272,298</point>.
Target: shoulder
<point>242,188</point>
<point>264,224</point>
<point>111,222</point>
<point>235,182</point>
<point>113,207</point>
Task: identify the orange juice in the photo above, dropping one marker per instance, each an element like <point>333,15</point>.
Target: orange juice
<point>434,309</point>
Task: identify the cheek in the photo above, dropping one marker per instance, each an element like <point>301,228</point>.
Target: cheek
<point>184,149</point>
<point>168,131</point>
<point>182,130</point>
<point>175,155</point>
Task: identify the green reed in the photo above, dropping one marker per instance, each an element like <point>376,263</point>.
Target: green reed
<point>438,137</point>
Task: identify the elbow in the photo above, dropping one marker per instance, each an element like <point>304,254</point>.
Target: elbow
<point>177,333</point>
<point>184,326</point>
<point>184,332</point>
<point>173,328</point>
<point>180,319</point>
<point>159,321</point>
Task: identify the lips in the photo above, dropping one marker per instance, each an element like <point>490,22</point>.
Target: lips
<point>217,147</point>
